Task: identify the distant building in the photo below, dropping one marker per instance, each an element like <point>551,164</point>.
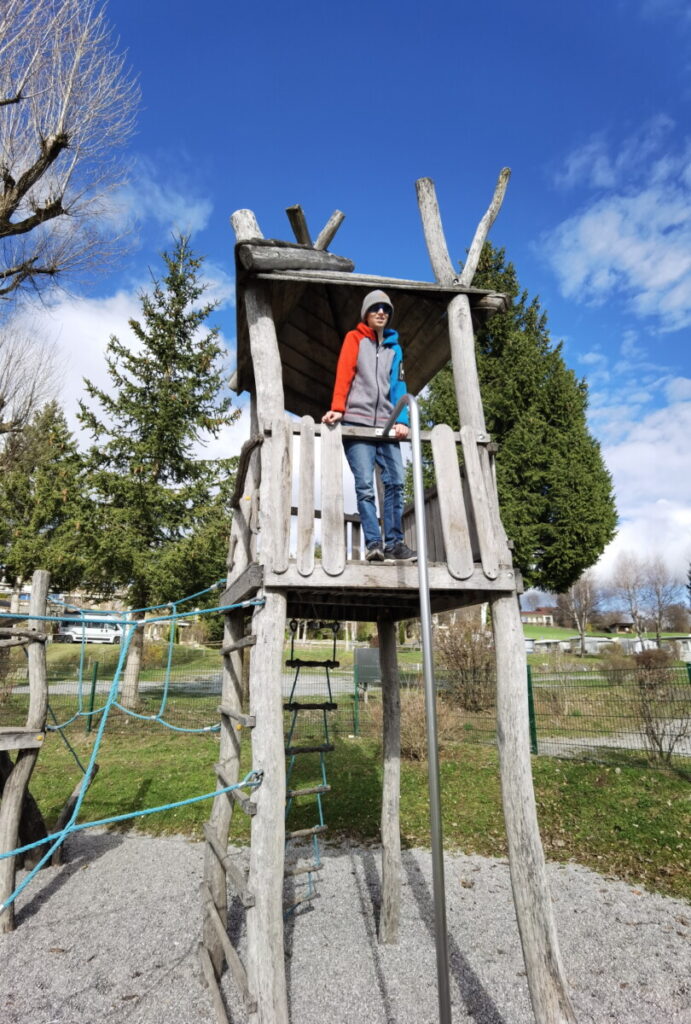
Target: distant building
<point>539,617</point>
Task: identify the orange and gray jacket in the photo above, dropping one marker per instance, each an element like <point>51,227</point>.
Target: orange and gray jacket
<point>369,378</point>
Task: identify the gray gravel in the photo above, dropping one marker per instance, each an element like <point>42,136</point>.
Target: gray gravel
<point>112,936</point>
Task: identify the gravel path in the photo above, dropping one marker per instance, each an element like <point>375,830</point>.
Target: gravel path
<point>112,936</point>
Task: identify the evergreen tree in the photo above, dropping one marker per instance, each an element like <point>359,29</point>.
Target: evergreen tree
<point>160,513</point>
<point>555,493</point>
<point>42,501</point>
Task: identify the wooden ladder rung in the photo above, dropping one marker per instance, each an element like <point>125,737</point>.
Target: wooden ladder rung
<point>248,806</point>
<point>299,833</point>
<point>233,872</point>
<point>304,899</point>
<point>325,748</point>
<point>21,738</point>
<point>302,869</point>
<point>239,645</point>
<point>249,721</point>
<point>212,984</point>
<point>313,790</point>
<point>234,962</point>
<point>300,663</point>
<point>298,706</point>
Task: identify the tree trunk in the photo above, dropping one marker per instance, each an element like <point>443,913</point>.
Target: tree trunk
<point>129,691</point>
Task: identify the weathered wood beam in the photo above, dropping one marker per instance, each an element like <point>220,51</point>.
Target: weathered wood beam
<point>245,225</point>
<point>21,738</point>
<point>245,586</point>
<point>435,240</point>
<point>298,223</point>
<point>327,233</point>
<point>269,257</point>
<point>482,230</point>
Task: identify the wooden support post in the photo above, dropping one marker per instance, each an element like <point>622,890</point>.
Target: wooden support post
<point>531,896</point>
<point>483,228</point>
<point>390,810</point>
<point>327,233</point>
<point>265,957</point>
<point>298,222</point>
<point>17,784</point>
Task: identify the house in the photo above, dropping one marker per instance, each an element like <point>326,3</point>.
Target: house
<point>538,617</point>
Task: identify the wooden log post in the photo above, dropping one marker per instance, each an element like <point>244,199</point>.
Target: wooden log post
<point>265,953</point>
<point>546,980</point>
<point>17,783</point>
<point>389,920</point>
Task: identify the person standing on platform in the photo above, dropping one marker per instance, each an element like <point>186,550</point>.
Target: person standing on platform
<point>369,382</point>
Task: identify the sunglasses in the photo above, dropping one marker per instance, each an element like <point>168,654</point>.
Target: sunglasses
<point>381,307</point>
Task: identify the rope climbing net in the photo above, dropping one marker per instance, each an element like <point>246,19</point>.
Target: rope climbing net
<point>129,623</point>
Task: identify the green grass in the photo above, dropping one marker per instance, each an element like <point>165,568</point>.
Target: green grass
<point>630,821</point>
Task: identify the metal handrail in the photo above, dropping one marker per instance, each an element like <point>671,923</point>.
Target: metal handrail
<point>441,936</point>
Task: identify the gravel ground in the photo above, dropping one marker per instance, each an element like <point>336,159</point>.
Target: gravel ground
<point>112,936</point>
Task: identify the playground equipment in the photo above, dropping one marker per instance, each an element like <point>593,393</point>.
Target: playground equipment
<point>294,305</point>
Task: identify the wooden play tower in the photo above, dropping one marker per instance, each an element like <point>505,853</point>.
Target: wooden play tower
<point>295,302</point>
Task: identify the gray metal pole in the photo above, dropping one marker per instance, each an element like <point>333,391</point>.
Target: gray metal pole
<point>441,935</point>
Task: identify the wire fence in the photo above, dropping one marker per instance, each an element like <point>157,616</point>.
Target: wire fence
<point>620,715</point>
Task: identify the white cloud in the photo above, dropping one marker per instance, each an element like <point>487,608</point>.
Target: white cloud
<point>633,237</point>
<point>174,204</point>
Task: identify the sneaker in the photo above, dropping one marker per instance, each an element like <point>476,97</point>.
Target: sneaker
<point>400,553</point>
<point>374,553</point>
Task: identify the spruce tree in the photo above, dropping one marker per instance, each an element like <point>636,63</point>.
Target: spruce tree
<point>42,501</point>
<point>555,492</point>
<point>160,515</point>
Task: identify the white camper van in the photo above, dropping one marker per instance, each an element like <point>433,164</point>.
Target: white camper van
<point>91,630</point>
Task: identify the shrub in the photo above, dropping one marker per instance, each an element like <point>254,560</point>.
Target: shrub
<point>467,658</point>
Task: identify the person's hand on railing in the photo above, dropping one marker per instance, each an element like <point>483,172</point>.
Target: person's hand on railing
<point>401,431</point>
<point>331,417</point>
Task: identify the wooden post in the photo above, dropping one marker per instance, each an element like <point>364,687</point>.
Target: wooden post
<point>265,957</point>
<point>531,896</point>
<point>18,781</point>
<point>391,790</point>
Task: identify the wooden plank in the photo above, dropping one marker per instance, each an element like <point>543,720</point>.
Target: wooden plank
<point>356,541</point>
<point>29,634</point>
<point>389,921</point>
<point>243,466</point>
<point>303,869</point>
<point>454,523</point>
<point>236,795</point>
<point>244,587</point>
<point>298,222</point>
<point>212,984</point>
<point>546,981</point>
<point>245,720</point>
<point>305,511</point>
<point>276,519</point>
<point>271,257</point>
<point>371,281</point>
<point>20,738</point>
<point>308,791</point>
<point>227,862</point>
<point>302,833</point>
<point>333,547</point>
<point>483,516</point>
<point>384,576</point>
<point>234,962</point>
<point>238,645</point>
<point>327,233</point>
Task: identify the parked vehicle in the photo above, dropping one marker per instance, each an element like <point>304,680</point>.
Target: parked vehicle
<point>91,630</point>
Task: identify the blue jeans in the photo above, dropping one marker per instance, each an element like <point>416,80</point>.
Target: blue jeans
<point>362,456</point>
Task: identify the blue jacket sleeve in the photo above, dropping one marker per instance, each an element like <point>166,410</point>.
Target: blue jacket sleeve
<point>398,385</point>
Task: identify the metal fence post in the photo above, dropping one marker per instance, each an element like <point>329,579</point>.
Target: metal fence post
<point>531,713</point>
<point>356,700</point>
<point>688,670</point>
<point>92,696</point>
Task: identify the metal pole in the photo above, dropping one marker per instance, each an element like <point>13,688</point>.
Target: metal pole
<point>92,697</point>
<point>531,713</point>
<point>431,713</point>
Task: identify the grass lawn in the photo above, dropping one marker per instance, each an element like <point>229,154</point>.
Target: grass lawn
<point>630,821</point>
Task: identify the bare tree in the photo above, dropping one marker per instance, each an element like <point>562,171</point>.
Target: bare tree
<point>582,600</point>
<point>662,588</point>
<point>67,104</point>
<point>28,379</point>
<point>627,585</point>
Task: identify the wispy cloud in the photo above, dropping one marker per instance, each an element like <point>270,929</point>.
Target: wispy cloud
<point>632,236</point>
<point>173,203</point>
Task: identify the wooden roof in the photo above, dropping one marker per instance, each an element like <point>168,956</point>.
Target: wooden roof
<point>313,310</point>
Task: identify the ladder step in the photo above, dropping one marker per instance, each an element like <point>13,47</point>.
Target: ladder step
<point>249,721</point>
<point>300,663</point>
<point>303,899</point>
<point>314,831</point>
<point>302,869</point>
<point>299,706</point>
<point>232,959</point>
<point>325,748</point>
<point>212,984</point>
<point>239,645</point>
<point>235,794</point>
<point>313,790</point>
<point>20,738</point>
<point>227,862</point>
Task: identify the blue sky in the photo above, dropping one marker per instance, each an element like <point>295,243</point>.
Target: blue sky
<point>345,106</point>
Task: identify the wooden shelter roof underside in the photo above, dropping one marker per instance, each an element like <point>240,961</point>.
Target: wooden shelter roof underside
<point>313,310</point>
